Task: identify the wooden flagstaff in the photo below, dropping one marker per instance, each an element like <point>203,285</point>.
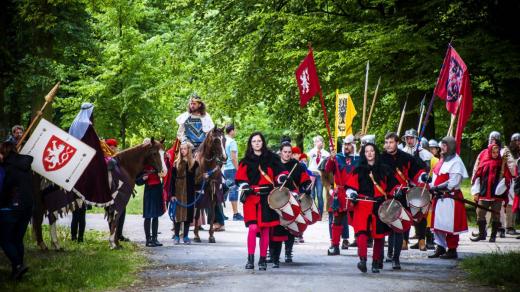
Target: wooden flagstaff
<point>365,96</point>
<point>421,116</point>
<point>401,119</point>
<point>452,122</point>
<point>48,99</point>
<point>372,106</point>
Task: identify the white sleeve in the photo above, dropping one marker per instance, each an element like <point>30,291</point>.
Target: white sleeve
<point>454,181</point>
<point>475,187</point>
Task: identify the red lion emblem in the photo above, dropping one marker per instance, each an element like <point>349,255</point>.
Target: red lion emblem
<point>57,154</point>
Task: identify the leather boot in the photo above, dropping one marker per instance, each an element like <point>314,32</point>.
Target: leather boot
<point>375,267</point>
<point>396,264</point>
<point>362,265</point>
<point>288,254</point>
<point>494,230</point>
<point>344,244</point>
<point>438,252</point>
<point>502,231</point>
<point>333,250</point>
<point>450,254</point>
<point>250,262</point>
<point>276,261</point>
<point>422,245</point>
<point>481,231</point>
<point>262,264</point>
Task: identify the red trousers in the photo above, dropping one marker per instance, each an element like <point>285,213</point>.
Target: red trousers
<point>362,242</point>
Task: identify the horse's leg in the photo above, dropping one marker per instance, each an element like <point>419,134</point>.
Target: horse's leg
<point>54,237</point>
<point>211,219</point>
<point>196,237</point>
<point>37,220</point>
<point>112,238</point>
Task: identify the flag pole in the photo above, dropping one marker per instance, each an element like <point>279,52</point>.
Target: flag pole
<point>423,107</point>
<point>336,118</point>
<point>365,96</point>
<point>48,99</point>
<point>453,118</point>
<point>372,106</point>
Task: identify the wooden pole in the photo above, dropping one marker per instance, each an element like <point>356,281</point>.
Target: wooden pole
<point>372,106</point>
<point>401,119</point>
<point>48,99</point>
<point>423,107</point>
<point>365,96</point>
<point>452,122</point>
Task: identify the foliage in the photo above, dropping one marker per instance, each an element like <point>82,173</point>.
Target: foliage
<point>498,269</point>
<point>139,60</point>
<point>90,265</point>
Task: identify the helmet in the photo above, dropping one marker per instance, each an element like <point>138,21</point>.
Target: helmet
<point>515,137</point>
<point>348,139</point>
<point>424,143</point>
<point>410,133</point>
<point>494,136</point>
<point>368,139</point>
<point>432,143</point>
<point>451,143</point>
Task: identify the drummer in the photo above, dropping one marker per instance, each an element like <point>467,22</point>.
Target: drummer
<point>408,171</point>
<point>256,176</point>
<point>342,165</point>
<point>367,188</point>
<point>298,182</point>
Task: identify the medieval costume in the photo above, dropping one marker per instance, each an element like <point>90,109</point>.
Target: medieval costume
<point>368,187</point>
<point>152,203</point>
<point>298,182</point>
<point>490,187</point>
<point>184,184</point>
<point>193,126</point>
<point>256,176</point>
<point>342,165</point>
<point>449,213</point>
<point>406,169</point>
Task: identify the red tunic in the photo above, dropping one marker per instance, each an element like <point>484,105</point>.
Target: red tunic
<point>342,170</point>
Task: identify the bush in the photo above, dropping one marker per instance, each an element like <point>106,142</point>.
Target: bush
<point>498,269</point>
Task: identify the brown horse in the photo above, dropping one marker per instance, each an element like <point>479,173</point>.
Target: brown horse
<point>211,155</point>
<point>131,162</point>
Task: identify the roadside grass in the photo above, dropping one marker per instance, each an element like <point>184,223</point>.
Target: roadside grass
<point>135,205</point>
<point>89,266</point>
<point>499,269</point>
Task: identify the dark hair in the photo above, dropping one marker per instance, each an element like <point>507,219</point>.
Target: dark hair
<point>285,138</point>
<point>16,127</point>
<point>202,108</point>
<point>392,135</point>
<point>285,144</point>
<point>229,128</point>
<point>249,151</point>
<point>377,168</point>
<point>6,148</point>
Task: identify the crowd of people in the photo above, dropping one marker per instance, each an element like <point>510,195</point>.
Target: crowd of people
<point>360,189</point>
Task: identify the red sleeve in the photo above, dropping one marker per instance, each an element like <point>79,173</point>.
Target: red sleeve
<point>330,166</point>
<point>304,177</point>
<point>241,175</point>
<point>353,181</point>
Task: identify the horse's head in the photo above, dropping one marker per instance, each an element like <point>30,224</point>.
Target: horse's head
<point>213,148</point>
<point>154,156</point>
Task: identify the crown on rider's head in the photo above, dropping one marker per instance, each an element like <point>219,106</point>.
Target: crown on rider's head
<point>195,97</point>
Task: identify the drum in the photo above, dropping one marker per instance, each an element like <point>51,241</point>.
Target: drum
<point>392,213</point>
<point>296,227</point>
<point>309,210</point>
<point>419,201</point>
<point>284,203</point>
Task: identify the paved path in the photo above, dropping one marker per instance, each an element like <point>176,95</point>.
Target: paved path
<point>207,267</point>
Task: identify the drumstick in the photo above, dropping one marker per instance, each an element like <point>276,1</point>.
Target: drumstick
<point>390,205</point>
<point>366,200</point>
<point>293,168</point>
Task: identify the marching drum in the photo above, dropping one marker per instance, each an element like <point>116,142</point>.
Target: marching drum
<point>392,213</point>
<point>309,210</point>
<point>295,227</point>
<point>419,201</point>
<point>284,203</point>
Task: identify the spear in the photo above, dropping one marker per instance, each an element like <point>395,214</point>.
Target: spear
<point>423,107</point>
<point>48,99</point>
<point>372,106</point>
<point>402,118</point>
<point>365,96</point>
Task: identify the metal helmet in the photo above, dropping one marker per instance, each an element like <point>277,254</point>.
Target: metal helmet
<point>424,143</point>
<point>368,139</point>
<point>432,143</point>
<point>452,145</point>
<point>410,133</point>
<point>348,139</point>
<point>494,136</point>
<point>515,137</point>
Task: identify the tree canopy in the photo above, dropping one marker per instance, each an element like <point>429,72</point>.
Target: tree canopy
<point>139,60</point>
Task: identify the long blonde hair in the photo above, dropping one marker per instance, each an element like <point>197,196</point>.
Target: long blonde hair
<point>189,155</point>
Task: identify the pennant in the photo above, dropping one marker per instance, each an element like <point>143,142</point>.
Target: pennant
<point>307,79</point>
<point>454,86</point>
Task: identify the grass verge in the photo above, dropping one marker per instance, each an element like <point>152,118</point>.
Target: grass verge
<point>498,269</point>
<point>89,266</point>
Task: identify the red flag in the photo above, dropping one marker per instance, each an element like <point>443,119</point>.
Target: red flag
<point>454,87</point>
<point>307,79</point>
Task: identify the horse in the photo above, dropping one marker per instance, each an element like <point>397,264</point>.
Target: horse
<point>130,163</point>
<point>210,155</point>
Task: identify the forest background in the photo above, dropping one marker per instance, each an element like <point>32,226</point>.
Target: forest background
<point>139,60</point>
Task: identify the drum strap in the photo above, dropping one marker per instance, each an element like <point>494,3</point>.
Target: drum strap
<point>378,187</point>
<point>267,178</point>
<point>401,175</point>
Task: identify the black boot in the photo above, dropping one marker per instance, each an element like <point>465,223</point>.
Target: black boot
<point>353,244</point>
<point>250,262</point>
<point>380,264</point>
<point>362,265</point>
<point>344,244</point>
<point>429,240</point>
<point>262,264</point>
<point>18,272</point>
<point>481,231</point>
<point>276,261</point>
<point>502,232</point>
<point>149,242</point>
<point>512,231</point>
<point>155,227</point>
<point>389,256</point>
<point>375,267</point>
<point>333,250</point>
<point>396,264</point>
<point>269,257</point>
<point>494,230</point>
<point>450,254</point>
<point>438,252</point>
<point>288,254</point>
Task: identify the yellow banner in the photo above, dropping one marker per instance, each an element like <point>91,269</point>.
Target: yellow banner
<point>345,113</point>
